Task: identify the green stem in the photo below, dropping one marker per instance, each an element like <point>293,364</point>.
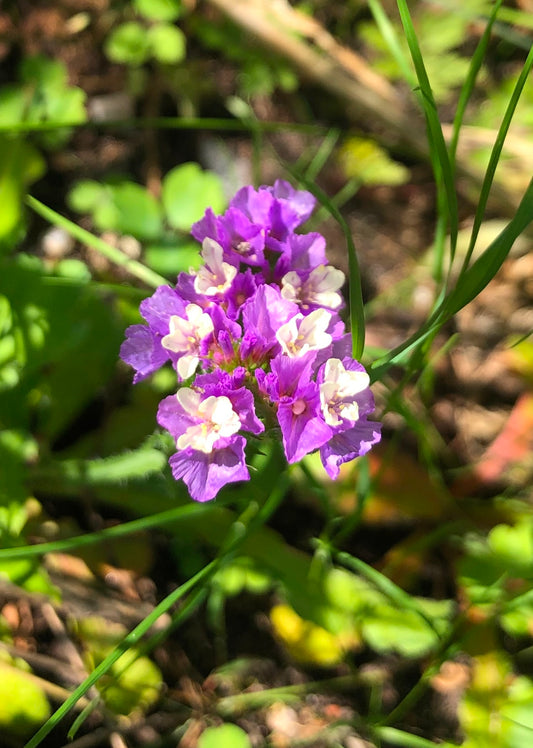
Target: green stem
<point>232,706</point>
<point>113,254</point>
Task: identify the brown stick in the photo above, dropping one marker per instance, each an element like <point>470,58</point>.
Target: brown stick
<point>322,60</point>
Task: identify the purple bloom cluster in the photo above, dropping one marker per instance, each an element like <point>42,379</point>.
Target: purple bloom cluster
<point>257,344</point>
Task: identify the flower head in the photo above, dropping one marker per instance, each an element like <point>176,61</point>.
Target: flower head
<point>257,335</point>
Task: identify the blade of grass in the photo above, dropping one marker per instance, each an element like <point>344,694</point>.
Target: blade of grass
<point>437,144</point>
<point>470,80</point>
<point>469,285</point>
<point>406,739</point>
<point>474,279</point>
<point>495,155</point>
<point>110,533</point>
<point>111,253</point>
<point>163,123</point>
<point>395,594</point>
<point>130,640</point>
<point>322,154</point>
<point>390,37</point>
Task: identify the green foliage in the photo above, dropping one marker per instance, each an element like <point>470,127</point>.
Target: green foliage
<point>365,161</point>
<point>125,207</point>
<point>43,95</point>
<point>497,708</point>
<point>260,71</point>
<point>496,574</point>
<point>187,192</point>
<point>128,44</point>
<point>133,683</point>
<point>167,43</point>
<point>65,343</point>
<point>225,736</point>
<point>23,703</point>
<point>441,34</point>
<point>21,164</point>
<point>158,10</point>
<point>134,42</point>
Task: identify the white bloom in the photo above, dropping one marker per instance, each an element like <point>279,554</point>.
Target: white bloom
<point>321,288</point>
<point>218,420</point>
<point>302,334</point>
<point>215,276</point>
<point>185,336</point>
<point>337,391</point>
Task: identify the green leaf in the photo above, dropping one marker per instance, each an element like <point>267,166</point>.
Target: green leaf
<point>23,703</point>
<point>388,629</point>
<point>69,342</point>
<point>171,259</point>
<point>365,160</point>
<point>85,195</point>
<point>134,211</point>
<point>167,43</point>
<point>225,736</point>
<point>128,44</point>
<point>20,165</point>
<point>513,546</point>
<point>158,10</point>
<point>13,105</point>
<point>187,192</point>
<point>50,98</point>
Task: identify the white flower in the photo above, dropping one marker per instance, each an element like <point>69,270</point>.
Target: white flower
<point>302,334</point>
<point>185,336</point>
<point>215,276</point>
<point>337,391</point>
<point>321,288</point>
<point>218,420</point>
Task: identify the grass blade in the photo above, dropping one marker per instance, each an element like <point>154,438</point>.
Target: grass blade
<point>133,267</point>
<point>470,80</point>
<point>474,279</point>
<point>496,153</point>
<point>390,37</point>
<point>130,640</point>
<point>444,178</point>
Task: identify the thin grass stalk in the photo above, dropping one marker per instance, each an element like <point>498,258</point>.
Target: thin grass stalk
<point>137,269</point>
<point>495,156</point>
<point>390,37</point>
<point>444,179</point>
<point>130,640</point>
<point>470,81</point>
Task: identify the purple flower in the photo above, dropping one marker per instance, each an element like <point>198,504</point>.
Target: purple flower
<point>256,334</point>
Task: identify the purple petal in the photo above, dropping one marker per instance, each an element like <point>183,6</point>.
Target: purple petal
<point>205,474</point>
<point>172,417</point>
<point>302,426</point>
<point>348,445</point>
<point>143,351</point>
<point>159,308</point>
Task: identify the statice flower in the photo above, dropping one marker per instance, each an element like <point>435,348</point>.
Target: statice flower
<point>258,345</point>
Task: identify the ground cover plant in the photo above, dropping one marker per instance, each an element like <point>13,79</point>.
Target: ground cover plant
<point>265,374</point>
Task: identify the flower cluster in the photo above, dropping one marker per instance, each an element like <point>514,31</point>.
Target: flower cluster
<point>257,343</point>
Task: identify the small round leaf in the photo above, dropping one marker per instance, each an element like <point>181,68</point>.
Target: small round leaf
<point>225,736</point>
<point>158,10</point>
<point>167,43</point>
<point>187,192</point>
<point>128,44</point>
